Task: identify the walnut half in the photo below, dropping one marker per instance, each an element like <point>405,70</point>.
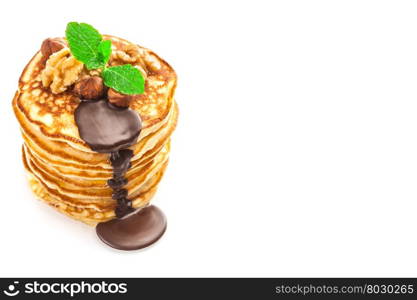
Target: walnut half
<point>61,71</point>
<point>129,54</point>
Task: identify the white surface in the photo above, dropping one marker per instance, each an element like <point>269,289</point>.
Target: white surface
<point>295,154</point>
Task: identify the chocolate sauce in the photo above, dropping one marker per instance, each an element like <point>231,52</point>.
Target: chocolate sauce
<point>135,231</point>
<point>105,127</point>
<point>109,129</point>
<point>120,161</point>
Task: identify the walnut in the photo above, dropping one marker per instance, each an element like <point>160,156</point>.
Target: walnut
<point>129,54</point>
<point>61,71</point>
<point>120,100</point>
<point>85,73</point>
<point>96,72</point>
<point>90,88</point>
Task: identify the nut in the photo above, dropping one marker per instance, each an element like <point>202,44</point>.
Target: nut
<point>50,46</point>
<point>118,99</point>
<point>128,54</point>
<point>61,71</point>
<point>90,88</point>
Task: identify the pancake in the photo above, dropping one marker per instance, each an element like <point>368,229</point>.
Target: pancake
<point>53,115</point>
<point>96,198</point>
<point>63,170</point>
<point>87,215</point>
<point>71,193</point>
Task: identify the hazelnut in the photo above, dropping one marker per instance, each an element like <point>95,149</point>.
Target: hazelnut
<point>118,99</point>
<point>50,46</point>
<point>90,88</point>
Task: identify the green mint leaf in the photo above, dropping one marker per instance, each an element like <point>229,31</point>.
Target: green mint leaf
<point>84,41</point>
<point>104,50</point>
<point>125,79</point>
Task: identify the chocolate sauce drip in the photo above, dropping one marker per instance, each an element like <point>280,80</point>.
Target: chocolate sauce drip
<point>120,161</point>
<point>123,208</point>
<point>109,129</point>
<point>116,184</point>
<point>119,194</point>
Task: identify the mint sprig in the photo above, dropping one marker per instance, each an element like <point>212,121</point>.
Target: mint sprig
<point>87,46</point>
<point>84,42</point>
<point>124,79</point>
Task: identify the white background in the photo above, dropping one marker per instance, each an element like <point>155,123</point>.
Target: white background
<point>295,154</point>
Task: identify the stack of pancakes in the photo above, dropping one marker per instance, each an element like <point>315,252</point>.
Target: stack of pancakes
<point>63,171</point>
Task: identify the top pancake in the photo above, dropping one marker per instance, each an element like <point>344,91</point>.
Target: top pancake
<point>53,114</point>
